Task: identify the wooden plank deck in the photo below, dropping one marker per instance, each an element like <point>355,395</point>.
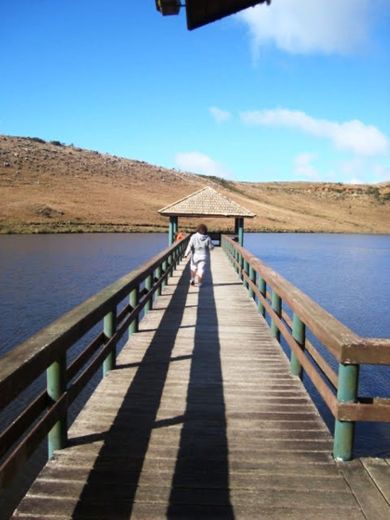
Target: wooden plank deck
<point>202,419</point>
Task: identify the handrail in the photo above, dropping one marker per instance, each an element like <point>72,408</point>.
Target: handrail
<point>339,391</point>
<point>46,412</point>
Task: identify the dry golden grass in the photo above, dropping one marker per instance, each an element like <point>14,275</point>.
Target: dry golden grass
<point>49,187</point>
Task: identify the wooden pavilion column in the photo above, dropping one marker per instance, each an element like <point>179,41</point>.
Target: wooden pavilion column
<point>173,227</point>
<point>239,229</point>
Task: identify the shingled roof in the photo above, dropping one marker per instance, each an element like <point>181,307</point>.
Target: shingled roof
<point>206,202</point>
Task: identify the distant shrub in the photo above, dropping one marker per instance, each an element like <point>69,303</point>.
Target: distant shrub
<point>374,191</point>
<point>37,140</point>
<point>57,143</point>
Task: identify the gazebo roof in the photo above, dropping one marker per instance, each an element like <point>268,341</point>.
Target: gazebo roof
<point>206,202</point>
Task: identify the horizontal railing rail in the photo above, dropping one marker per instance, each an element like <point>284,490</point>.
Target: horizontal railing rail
<point>292,313</point>
<point>45,413</point>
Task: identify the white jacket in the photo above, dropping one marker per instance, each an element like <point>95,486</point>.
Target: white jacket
<point>200,246</point>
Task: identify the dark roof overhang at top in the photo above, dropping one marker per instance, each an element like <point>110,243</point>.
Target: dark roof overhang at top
<point>202,12</point>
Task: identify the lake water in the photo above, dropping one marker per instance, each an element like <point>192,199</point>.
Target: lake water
<point>348,275</point>
<point>43,276</point>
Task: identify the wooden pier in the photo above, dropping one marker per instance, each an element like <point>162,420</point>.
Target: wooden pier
<point>202,418</point>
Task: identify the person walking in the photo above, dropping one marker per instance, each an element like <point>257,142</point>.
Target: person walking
<point>199,246</point>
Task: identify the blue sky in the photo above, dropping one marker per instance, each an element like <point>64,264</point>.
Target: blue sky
<point>299,90</point>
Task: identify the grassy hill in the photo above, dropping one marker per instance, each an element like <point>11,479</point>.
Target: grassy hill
<point>49,187</point>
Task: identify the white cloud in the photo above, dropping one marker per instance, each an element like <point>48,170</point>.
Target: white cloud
<point>355,180</point>
<point>303,167</point>
<point>312,26</point>
<point>198,162</point>
<point>360,171</point>
<point>381,172</point>
<point>219,115</point>
<point>355,171</point>
<point>353,136</point>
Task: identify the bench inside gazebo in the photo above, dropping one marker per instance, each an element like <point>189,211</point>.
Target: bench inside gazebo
<point>206,203</point>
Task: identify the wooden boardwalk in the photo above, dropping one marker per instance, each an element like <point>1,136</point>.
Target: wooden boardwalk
<point>202,419</point>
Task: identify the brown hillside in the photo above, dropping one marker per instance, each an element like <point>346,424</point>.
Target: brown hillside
<point>49,187</point>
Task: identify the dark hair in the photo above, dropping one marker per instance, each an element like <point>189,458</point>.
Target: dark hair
<point>202,229</point>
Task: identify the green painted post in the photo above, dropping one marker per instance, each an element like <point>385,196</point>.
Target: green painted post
<point>246,269</point>
<point>252,276</point>
<point>133,300</point>
<point>159,275</point>
<point>277,307</point>
<point>344,431</point>
<point>164,268</point>
<point>170,263</point>
<point>154,276</point>
<point>263,290</point>
<point>241,261</point>
<point>175,227</point>
<point>148,286</point>
<point>299,334</point>
<point>172,229</point>
<point>109,327</point>
<point>56,386</point>
<point>241,231</point>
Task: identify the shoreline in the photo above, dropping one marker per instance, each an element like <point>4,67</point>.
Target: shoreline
<point>72,229</point>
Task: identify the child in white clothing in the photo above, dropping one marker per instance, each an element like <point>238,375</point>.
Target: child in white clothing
<point>199,245</point>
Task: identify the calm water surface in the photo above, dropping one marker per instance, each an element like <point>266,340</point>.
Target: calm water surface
<point>43,276</point>
<point>348,275</point>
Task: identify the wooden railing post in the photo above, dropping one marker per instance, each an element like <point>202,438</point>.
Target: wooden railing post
<point>299,334</point>
<point>56,386</point>
<point>277,307</point>
<point>263,290</point>
<point>344,431</point>
<point>109,327</point>
<point>159,275</point>
<point>246,271</point>
<point>148,286</point>
<point>164,268</point>
<point>252,276</point>
<point>133,300</point>
<point>171,266</point>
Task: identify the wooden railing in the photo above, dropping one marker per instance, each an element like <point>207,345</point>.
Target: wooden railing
<point>45,413</point>
<point>291,314</point>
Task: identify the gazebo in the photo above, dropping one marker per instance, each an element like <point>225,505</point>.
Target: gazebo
<point>204,203</point>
